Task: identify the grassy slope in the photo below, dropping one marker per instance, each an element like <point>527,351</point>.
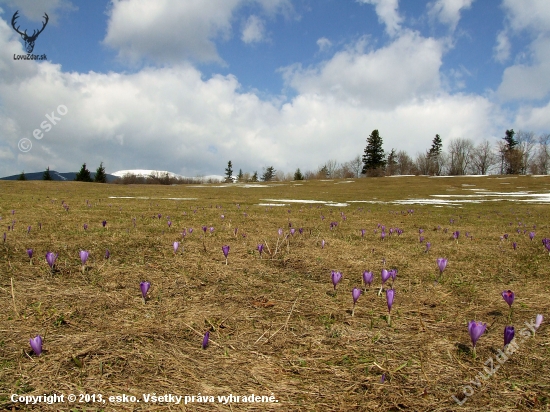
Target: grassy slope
<point>276,327</point>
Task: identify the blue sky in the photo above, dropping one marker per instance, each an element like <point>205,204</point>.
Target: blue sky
<point>186,85</point>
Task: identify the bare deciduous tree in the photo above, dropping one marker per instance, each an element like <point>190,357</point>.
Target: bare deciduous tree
<point>460,156</point>
<point>526,144</point>
<point>405,165</point>
<point>483,158</point>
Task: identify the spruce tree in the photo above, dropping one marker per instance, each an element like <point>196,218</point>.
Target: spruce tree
<point>434,156</point>
<point>269,174</point>
<point>254,177</point>
<point>100,175</point>
<point>240,176</point>
<point>46,175</point>
<point>83,175</point>
<point>391,164</point>
<point>374,157</point>
<point>22,176</point>
<point>229,173</point>
<point>298,175</point>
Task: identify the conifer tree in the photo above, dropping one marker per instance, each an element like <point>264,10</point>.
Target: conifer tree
<point>254,177</point>
<point>374,158</point>
<point>83,175</point>
<point>229,173</point>
<point>100,175</point>
<point>46,175</point>
<point>22,176</point>
<point>298,175</point>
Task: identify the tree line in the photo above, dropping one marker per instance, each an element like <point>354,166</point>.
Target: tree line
<point>516,153</point>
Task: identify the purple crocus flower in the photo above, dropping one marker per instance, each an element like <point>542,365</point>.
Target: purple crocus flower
<point>420,231</point>
<point>531,235</point>
<point>421,239</point>
<point>205,339</point>
<point>204,229</point>
<point>476,329</point>
<point>368,277</point>
<point>508,334</point>
<point>85,226</point>
<point>322,242</point>
<point>225,250</point>
<point>211,230</point>
<point>280,231</point>
<point>176,246</point>
<point>393,274</point>
<point>144,286</point>
<point>509,297</point>
<point>29,252</point>
<point>51,258</point>
<point>84,256</point>
<point>159,215</point>
<point>29,230</point>
<point>301,230</point>
<point>390,294</point>
<point>428,245</point>
<point>336,277</point>
<point>36,345</point>
<point>355,293</point>
<point>456,234</point>
<point>363,232</point>
<point>514,245</point>
<point>104,223</point>
<point>385,276</point>
<point>383,235</point>
<point>190,230</point>
<point>107,254</point>
<point>538,321</point>
<point>169,223</point>
<point>505,236</point>
<point>442,264</point>
<point>260,249</point>
<point>292,231</point>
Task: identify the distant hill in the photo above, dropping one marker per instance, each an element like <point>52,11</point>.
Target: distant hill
<point>69,176</point>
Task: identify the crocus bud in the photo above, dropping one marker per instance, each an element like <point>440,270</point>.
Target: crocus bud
<point>508,334</point>
<point>36,345</point>
<point>509,297</point>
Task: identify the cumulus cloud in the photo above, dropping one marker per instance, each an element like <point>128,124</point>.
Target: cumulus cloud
<point>171,31</point>
<point>253,30</point>
<point>528,79</point>
<point>384,78</point>
<point>387,11</point>
<point>448,11</point>
<point>533,15</point>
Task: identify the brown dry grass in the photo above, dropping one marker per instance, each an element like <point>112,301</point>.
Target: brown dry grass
<point>275,325</point>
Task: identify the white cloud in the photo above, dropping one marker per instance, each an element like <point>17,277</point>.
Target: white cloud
<point>171,31</point>
<point>448,11</point>
<point>387,11</point>
<point>502,48</point>
<point>253,30</point>
<point>529,78</point>
<point>35,10</point>
<point>324,44</point>
<point>407,68</point>
<point>528,14</point>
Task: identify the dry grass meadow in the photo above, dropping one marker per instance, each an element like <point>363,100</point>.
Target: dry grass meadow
<point>276,326</point>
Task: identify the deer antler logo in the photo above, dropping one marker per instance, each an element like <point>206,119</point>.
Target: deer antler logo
<point>29,40</point>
